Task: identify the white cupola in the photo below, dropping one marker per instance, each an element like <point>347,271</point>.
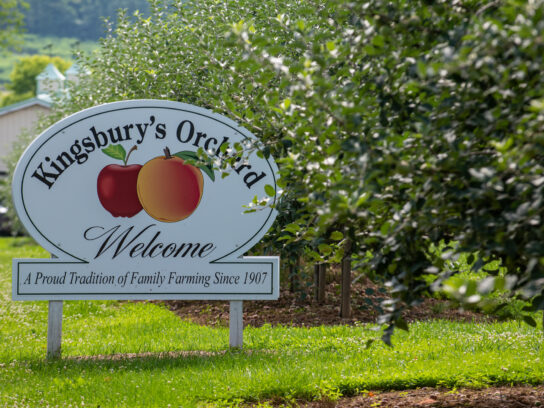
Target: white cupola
<point>49,82</point>
<point>72,73</point>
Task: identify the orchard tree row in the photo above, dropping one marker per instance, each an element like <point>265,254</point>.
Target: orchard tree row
<point>406,132</point>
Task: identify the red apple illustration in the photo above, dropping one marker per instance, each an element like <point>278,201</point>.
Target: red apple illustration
<point>116,184</point>
<point>170,188</point>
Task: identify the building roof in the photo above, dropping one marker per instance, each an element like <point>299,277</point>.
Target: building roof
<point>73,70</point>
<point>25,104</point>
<point>51,72</point>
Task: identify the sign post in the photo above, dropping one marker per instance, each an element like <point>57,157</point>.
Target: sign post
<point>54,329</point>
<point>130,198</point>
<point>236,323</point>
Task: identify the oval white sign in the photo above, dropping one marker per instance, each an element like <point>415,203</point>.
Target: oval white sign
<point>119,194</point>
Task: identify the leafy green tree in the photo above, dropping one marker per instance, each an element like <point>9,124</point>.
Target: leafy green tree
<point>25,70</point>
<point>11,21</point>
<point>410,126</point>
<point>11,98</point>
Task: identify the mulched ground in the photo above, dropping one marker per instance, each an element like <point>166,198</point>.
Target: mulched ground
<point>497,397</point>
<point>296,310</point>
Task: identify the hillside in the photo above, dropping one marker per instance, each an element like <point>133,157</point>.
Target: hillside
<point>81,19</point>
<point>49,45</point>
<point>60,27</point>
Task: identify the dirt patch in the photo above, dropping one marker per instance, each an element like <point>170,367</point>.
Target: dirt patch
<point>498,397</point>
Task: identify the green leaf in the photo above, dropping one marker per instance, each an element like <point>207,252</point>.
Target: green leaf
<point>268,189</point>
<point>324,249</point>
<point>378,41</point>
<point>286,103</point>
<point>385,228</point>
<point>292,227</point>
<point>362,199</point>
<point>284,238</point>
<point>336,236</point>
<point>314,255</point>
<point>186,155</point>
<point>421,69</point>
<point>190,155</point>
<point>115,151</point>
<point>208,170</point>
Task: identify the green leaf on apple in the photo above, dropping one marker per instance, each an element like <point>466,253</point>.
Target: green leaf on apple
<point>115,151</point>
<point>208,170</point>
<point>187,155</point>
<point>192,156</point>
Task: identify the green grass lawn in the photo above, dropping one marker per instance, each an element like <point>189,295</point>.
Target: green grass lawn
<point>276,362</point>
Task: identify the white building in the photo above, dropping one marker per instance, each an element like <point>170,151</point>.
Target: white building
<point>23,115</point>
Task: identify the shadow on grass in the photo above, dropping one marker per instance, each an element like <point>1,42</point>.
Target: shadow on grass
<point>153,361</point>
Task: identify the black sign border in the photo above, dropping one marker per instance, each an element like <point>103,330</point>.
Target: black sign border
<point>149,295</point>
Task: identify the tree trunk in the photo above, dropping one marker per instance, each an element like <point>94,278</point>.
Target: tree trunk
<point>316,282</point>
<point>322,281</point>
<point>345,307</point>
<point>291,278</point>
<point>294,278</point>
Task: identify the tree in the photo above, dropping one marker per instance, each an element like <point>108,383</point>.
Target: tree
<point>419,132</point>
<point>11,21</point>
<point>11,98</point>
<point>25,70</point>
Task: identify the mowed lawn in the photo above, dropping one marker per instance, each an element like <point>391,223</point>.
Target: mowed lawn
<point>140,354</point>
